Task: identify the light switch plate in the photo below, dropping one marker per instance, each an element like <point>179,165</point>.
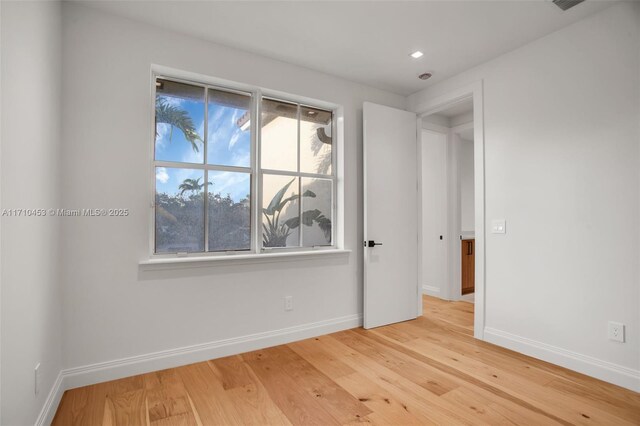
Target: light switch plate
<point>499,226</point>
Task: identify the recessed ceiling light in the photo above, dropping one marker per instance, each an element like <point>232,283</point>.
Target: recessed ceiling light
<point>416,54</point>
<point>425,76</point>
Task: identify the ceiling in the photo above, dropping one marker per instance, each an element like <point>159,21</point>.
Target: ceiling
<point>367,42</point>
<point>465,106</point>
<point>453,115</point>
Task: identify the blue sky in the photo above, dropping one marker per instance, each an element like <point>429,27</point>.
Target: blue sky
<point>228,145</point>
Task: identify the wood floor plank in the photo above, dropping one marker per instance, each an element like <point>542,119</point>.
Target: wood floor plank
<point>471,379</point>
<point>429,378</point>
<point>385,406</point>
<point>602,394</point>
<point>250,397</point>
<point>82,406</point>
<point>508,386</point>
<point>207,395</point>
<point>625,405</point>
<point>426,371</point>
<point>421,401</point>
<point>296,403</point>
<point>468,347</point>
<point>127,408</point>
<point>483,405</point>
<point>256,407</point>
<point>344,407</point>
<point>167,399</point>
<point>231,372</point>
<point>311,350</point>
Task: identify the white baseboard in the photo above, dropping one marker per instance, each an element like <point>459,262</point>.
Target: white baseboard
<point>139,364</point>
<point>430,290</point>
<point>51,404</point>
<point>603,370</point>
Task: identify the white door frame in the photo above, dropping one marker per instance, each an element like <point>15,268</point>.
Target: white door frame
<point>474,91</point>
<point>455,243</point>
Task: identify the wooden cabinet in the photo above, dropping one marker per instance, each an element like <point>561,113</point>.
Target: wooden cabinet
<point>468,256</point>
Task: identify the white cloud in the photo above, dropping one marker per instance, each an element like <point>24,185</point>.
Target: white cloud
<point>241,159</point>
<point>190,156</point>
<point>234,139</point>
<point>162,139</point>
<point>216,115</point>
<point>230,182</point>
<point>161,175</point>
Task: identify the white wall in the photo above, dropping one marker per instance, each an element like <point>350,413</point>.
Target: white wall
<point>562,167</point>
<point>30,169</point>
<point>435,220</point>
<point>467,187</point>
<point>115,309</point>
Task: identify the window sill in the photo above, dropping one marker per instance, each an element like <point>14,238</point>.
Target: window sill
<point>204,261</point>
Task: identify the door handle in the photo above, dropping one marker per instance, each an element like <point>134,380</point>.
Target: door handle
<point>371,243</point>
<point>469,248</point>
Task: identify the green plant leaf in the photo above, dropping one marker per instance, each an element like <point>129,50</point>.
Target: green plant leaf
<point>307,219</point>
<point>284,202</point>
<point>275,201</point>
<point>177,117</point>
<point>325,225</point>
<point>293,223</point>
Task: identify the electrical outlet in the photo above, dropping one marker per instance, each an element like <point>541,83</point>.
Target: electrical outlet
<point>288,303</point>
<point>36,379</point>
<point>616,331</point>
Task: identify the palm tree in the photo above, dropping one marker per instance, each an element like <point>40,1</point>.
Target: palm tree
<point>177,117</point>
<point>317,143</point>
<point>192,185</point>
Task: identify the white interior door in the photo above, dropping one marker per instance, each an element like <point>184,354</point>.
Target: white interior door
<point>434,212</point>
<point>391,291</point>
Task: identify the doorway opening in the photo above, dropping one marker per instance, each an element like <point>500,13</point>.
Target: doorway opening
<point>452,210</point>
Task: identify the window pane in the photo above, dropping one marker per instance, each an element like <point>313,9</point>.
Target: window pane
<point>317,211</point>
<point>179,210</point>
<point>315,140</point>
<point>279,137</point>
<point>179,122</point>
<point>229,137</point>
<point>280,211</point>
<point>229,211</point>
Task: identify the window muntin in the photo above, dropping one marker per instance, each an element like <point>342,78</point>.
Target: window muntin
<point>280,208</point>
<point>180,114</point>
<point>279,135</point>
<point>179,210</point>
<point>202,206</point>
<point>315,140</point>
<point>229,211</point>
<point>205,185</point>
<point>317,212</point>
<point>297,175</point>
<point>229,138</point>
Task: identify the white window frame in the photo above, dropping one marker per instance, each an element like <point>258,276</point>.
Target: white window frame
<point>257,93</point>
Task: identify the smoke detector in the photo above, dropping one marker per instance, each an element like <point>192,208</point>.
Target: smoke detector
<point>425,76</point>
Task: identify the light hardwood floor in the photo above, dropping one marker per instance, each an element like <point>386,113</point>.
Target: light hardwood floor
<point>426,371</point>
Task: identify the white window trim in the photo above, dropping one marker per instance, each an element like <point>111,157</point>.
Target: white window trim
<point>204,260</point>
<point>256,253</point>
